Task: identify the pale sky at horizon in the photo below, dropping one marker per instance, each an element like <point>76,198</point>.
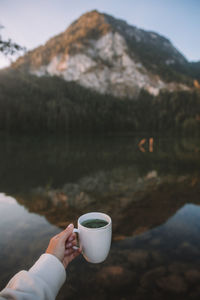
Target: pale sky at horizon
<point>31,23</point>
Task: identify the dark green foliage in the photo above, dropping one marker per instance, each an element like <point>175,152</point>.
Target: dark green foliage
<point>29,104</point>
<point>9,47</point>
<point>194,70</point>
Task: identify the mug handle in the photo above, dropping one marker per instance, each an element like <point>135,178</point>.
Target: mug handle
<point>76,231</point>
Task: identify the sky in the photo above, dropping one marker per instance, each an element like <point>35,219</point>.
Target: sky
<point>31,23</point>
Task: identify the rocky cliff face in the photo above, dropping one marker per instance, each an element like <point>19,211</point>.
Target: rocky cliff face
<point>109,56</point>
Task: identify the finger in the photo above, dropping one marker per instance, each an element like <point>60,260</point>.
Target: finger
<point>71,244</point>
<point>65,234</point>
<point>70,240</point>
<point>79,250</point>
<point>68,245</point>
<point>56,236</point>
<point>69,251</point>
<point>72,237</point>
<point>74,254</point>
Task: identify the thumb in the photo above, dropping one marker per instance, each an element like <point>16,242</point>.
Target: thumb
<point>67,232</point>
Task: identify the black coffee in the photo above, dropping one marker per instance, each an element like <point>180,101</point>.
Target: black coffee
<point>94,223</point>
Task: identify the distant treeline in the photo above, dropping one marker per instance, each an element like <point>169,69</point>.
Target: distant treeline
<point>29,104</point>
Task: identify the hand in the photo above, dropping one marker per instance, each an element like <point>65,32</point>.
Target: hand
<point>61,246</point>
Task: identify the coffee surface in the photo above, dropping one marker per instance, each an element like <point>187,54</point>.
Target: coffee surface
<point>94,223</point>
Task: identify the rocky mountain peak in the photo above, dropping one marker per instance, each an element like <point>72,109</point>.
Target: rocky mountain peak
<point>90,26</point>
<point>103,53</point>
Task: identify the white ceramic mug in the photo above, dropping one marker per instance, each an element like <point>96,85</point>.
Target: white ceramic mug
<point>95,242</point>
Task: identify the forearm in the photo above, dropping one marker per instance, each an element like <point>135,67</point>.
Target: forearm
<point>42,281</point>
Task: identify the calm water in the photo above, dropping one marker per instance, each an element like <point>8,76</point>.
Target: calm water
<point>150,188</point>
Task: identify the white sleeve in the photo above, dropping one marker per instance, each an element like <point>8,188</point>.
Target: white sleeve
<point>41,282</point>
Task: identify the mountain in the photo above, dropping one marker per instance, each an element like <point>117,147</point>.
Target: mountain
<point>110,56</point>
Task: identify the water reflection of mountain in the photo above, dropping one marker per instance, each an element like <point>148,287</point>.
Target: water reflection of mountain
<point>155,251</point>
<point>135,203</point>
<point>161,263</point>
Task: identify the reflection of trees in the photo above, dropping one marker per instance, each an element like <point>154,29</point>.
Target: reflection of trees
<point>29,162</point>
<point>135,204</point>
<point>108,174</point>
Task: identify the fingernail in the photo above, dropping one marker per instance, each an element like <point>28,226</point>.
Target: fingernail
<point>75,248</point>
<point>70,239</point>
<point>70,225</point>
<point>69,244</point>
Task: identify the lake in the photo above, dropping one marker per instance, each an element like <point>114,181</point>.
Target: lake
<point>149,186</point>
